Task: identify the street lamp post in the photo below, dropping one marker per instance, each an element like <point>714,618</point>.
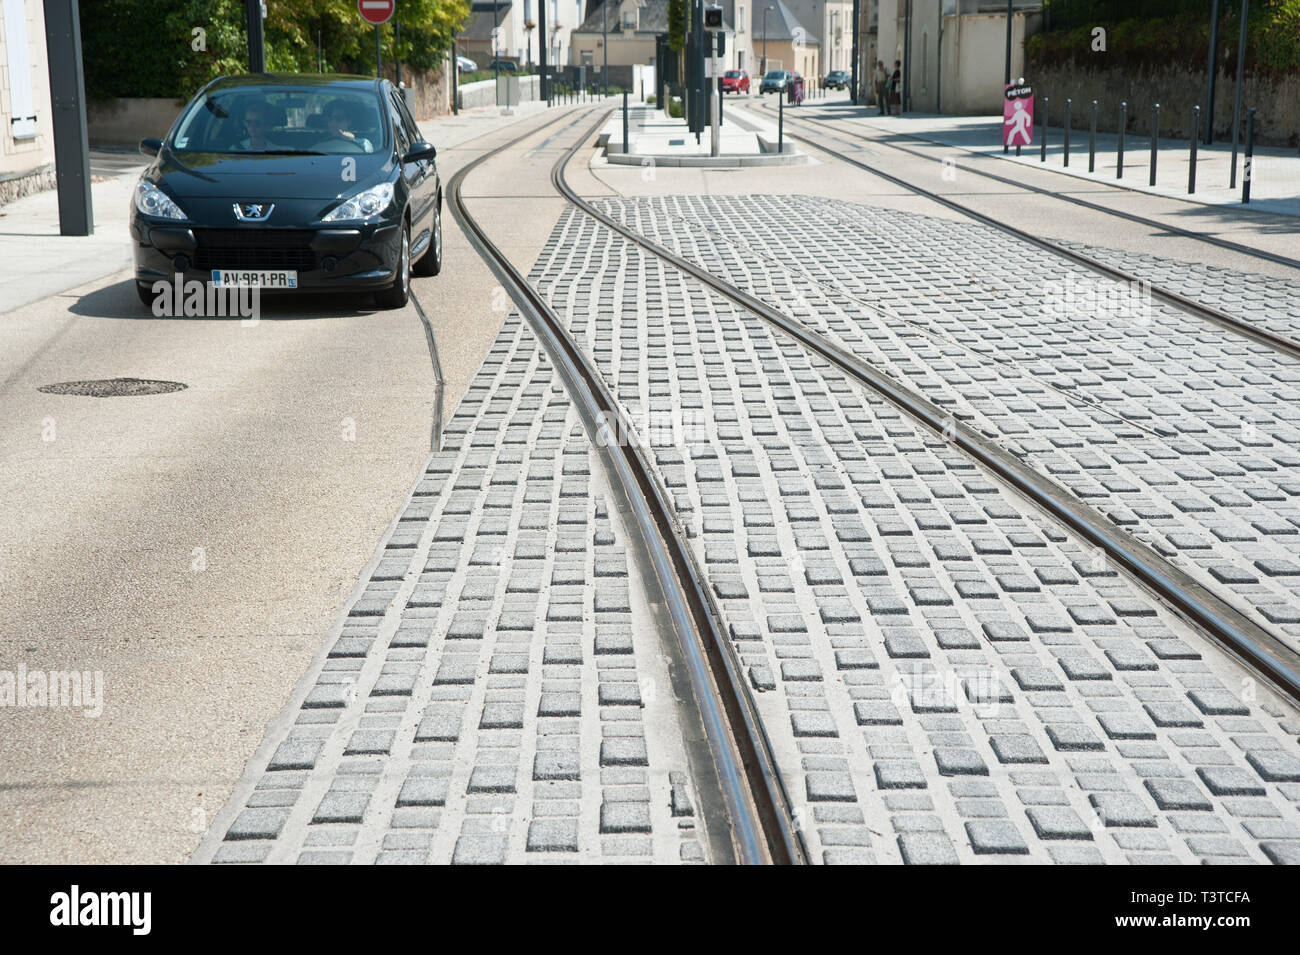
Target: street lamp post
<point>762,67</point>
<point>1210,72</point>
<point>604,29</point>
<point>831,41</point>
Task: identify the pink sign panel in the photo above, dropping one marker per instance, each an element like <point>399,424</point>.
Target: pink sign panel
<point>1018,115</point>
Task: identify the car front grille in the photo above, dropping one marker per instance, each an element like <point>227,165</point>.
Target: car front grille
<point>255,249</point>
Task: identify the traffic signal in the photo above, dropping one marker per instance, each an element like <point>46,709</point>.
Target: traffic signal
<point>713,18</point>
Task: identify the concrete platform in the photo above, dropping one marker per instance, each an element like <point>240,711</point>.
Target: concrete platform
<point>745,140</point>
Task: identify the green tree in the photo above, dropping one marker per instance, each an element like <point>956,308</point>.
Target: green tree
<point>162,48</point>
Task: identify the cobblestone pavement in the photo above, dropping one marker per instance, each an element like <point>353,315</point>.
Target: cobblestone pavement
<point>497,692</point>
<point>944,674</point>
<point>1263,300</point>
<point>1179,431</point>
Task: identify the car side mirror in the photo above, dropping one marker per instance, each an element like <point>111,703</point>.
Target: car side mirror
<point>150,147</point>
<point>420,151</point>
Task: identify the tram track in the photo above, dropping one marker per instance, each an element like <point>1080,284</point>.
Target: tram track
<point>1258,649</point>
<point>1200,310</point>
<point>759,816</point>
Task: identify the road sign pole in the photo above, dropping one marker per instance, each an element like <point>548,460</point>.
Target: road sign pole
<point>377,51</point>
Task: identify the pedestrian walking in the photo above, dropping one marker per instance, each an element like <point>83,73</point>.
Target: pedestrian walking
<point>880,80</point>
<point>896,89</point>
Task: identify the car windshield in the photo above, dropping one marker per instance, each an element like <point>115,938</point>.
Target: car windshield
<point>732,74</point>
<point>776,75</point>
<point>282,120</point>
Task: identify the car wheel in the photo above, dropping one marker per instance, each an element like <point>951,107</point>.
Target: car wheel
<point>400,292</point>
<point>431,262</point>
<point>145,291</point>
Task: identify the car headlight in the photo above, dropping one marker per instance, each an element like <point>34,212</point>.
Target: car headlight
<point>364,204</point>
<point>152,201</point>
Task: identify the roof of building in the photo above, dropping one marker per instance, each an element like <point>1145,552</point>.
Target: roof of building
<point>781,24</point>
<point>484,15</point>
<point>653,18</point>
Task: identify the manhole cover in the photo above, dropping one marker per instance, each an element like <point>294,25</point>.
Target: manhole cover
<point>113,387</point>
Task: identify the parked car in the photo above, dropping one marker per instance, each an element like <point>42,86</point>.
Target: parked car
<point>837,80</point>
<point>466,65</point>
<point>290,182</point>
<point>735,81</point>
<point>774,81</point>
<point>504,66</point>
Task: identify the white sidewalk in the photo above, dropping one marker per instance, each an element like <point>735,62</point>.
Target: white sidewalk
<point>1275,186</point>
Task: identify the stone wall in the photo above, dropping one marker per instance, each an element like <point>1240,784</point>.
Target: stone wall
<point>1277,101</point>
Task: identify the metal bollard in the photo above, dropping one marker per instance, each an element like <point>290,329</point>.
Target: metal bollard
<point>1191,163</point>
<point>1155,139</point>
<point>1067,134</point>
<point>1248,168</point>
<point>1092,140</point>
<point>1119,148</point>
<point>780,123</point>
<point>1042,138</point>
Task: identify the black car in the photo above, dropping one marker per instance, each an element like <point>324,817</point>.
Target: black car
<point>837,80</point>
<point>290,182</point>
<point>504,66</point>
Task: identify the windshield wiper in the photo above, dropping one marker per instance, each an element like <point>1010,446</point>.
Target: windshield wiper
<point>279,152</point>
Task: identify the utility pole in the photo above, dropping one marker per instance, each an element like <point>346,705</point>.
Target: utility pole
<point>1211,72</point>
<point>604,29</point>
<point>1236,106</point>
<point>542,50</point>
<point>1010,10</point>
<point>256,41</point>
<point>68,99</point>
<point>853,81</point>
<point>905,100</point>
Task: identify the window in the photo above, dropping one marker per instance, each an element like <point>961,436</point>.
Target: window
<point>22,110</point>
<point>740,21</point>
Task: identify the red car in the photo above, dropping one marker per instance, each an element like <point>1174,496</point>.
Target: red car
<point>735,81</point>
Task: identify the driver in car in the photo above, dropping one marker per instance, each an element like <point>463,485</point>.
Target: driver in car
<point>256,125</point>
<point>338,117</point>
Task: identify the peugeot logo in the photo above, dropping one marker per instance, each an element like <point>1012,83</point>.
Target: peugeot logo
<point>253,211</point>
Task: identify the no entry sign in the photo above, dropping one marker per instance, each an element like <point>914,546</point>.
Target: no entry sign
<point>1018,115</point>
<point>376,11</point>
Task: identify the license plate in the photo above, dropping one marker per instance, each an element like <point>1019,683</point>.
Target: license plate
<point>254,278</point>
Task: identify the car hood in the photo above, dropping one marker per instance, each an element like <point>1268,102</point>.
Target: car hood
<point>227,176</point>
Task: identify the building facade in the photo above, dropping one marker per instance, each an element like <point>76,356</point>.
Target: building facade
<point>511,30</point>
<point>956,57</point>
<point>27,136</point>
